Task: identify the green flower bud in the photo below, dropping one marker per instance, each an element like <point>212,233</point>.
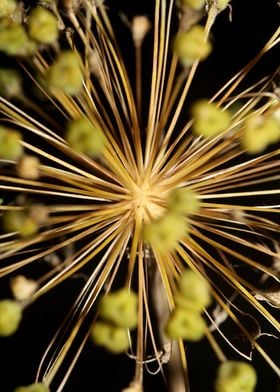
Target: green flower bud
<point>259,132</point>
<point>234,376</point>
<point>84,137</point>
<point>10,83</point>
<point>10,144</point>
<point>193,291</point>
<point>10,317</point>
<point>120,308</point>
<point>7,7</point>
<point>42,25</point>
<point>114,339</point>
<point>65,73</point>
<point>185,324</point>
<point>19,221</point>
<point>36,387</point>
<point>192,45</point>
<point>166,232</point>
<point>14,40</point>
<point>183,201</point>
<point>209,120</point>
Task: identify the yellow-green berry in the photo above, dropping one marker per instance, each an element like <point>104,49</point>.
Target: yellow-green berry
<point>183,201</point>
<point>185,324</point>
<point>10,83</point>
<point>65,73</point>
<point>14,40</point>
<point>42,25</point>
<point>194,4</point>
<point>7,7</point>
<point>10,144</point>
<point>209,120</point>
<point>260,131</point>
<point>114,339</point>
<point>36,387</point>
<point>192,45</point>
<point>193,291</point>
<point>166,232</point>
<point>235,376</point>
<point>84,137</point>
<point>19,221</point>
<point>120,308</point>
<point>10,316</point>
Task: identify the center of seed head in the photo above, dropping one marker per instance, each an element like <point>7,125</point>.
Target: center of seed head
<point>147,202</point>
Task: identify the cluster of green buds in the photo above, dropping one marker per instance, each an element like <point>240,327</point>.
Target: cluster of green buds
<point>10,316</point>
<point>209,119</point>
<point>235,376</point>
<point>20,34</point>
<point>259,132</point>
<point>36,387</point>
<point>117,315</point>
<point>192,296</point>
<point>164,233</point>
<point>85,137</point>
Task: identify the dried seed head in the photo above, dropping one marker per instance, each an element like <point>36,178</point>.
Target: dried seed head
<point>10,316</point>
<point>22,288</point>
<point>140,27</point>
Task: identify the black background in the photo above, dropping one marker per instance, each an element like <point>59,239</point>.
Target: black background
<point>235,43</point>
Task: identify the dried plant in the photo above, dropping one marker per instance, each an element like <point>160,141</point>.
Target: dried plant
<point>168,212</point>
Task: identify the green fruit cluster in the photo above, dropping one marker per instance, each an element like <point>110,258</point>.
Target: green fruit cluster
<point>186,321</point>
<point>10,316</point>
<point>118,313</point>
<point>235,376</point>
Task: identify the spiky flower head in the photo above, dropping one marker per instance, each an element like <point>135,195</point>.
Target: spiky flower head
<point>163,209</point>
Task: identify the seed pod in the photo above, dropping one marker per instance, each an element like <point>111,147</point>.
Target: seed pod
<point>42,25</point>
<point>14,40</point>
<point>182,201</point>
<point>259,132</point>
<point>10,83</point>
<point>65,73</point>
<point>185,324</point>
<point>234,376</point>
<point>114,339</point>
<point>166,232</point>
<point>28,167</point>
<point>19,221</point>
<point>10,316</point>
<point>192,45</point>
<point>194,4</point>
<point>193,291</point>
<point>7,7</point>
<point>36,387</point>
<point>209,120</point>
<point>120,308</point>
<point>84,137</point>
<point>10,144</point>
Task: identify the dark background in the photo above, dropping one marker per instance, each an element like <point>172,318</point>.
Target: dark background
<point>235,43</point>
